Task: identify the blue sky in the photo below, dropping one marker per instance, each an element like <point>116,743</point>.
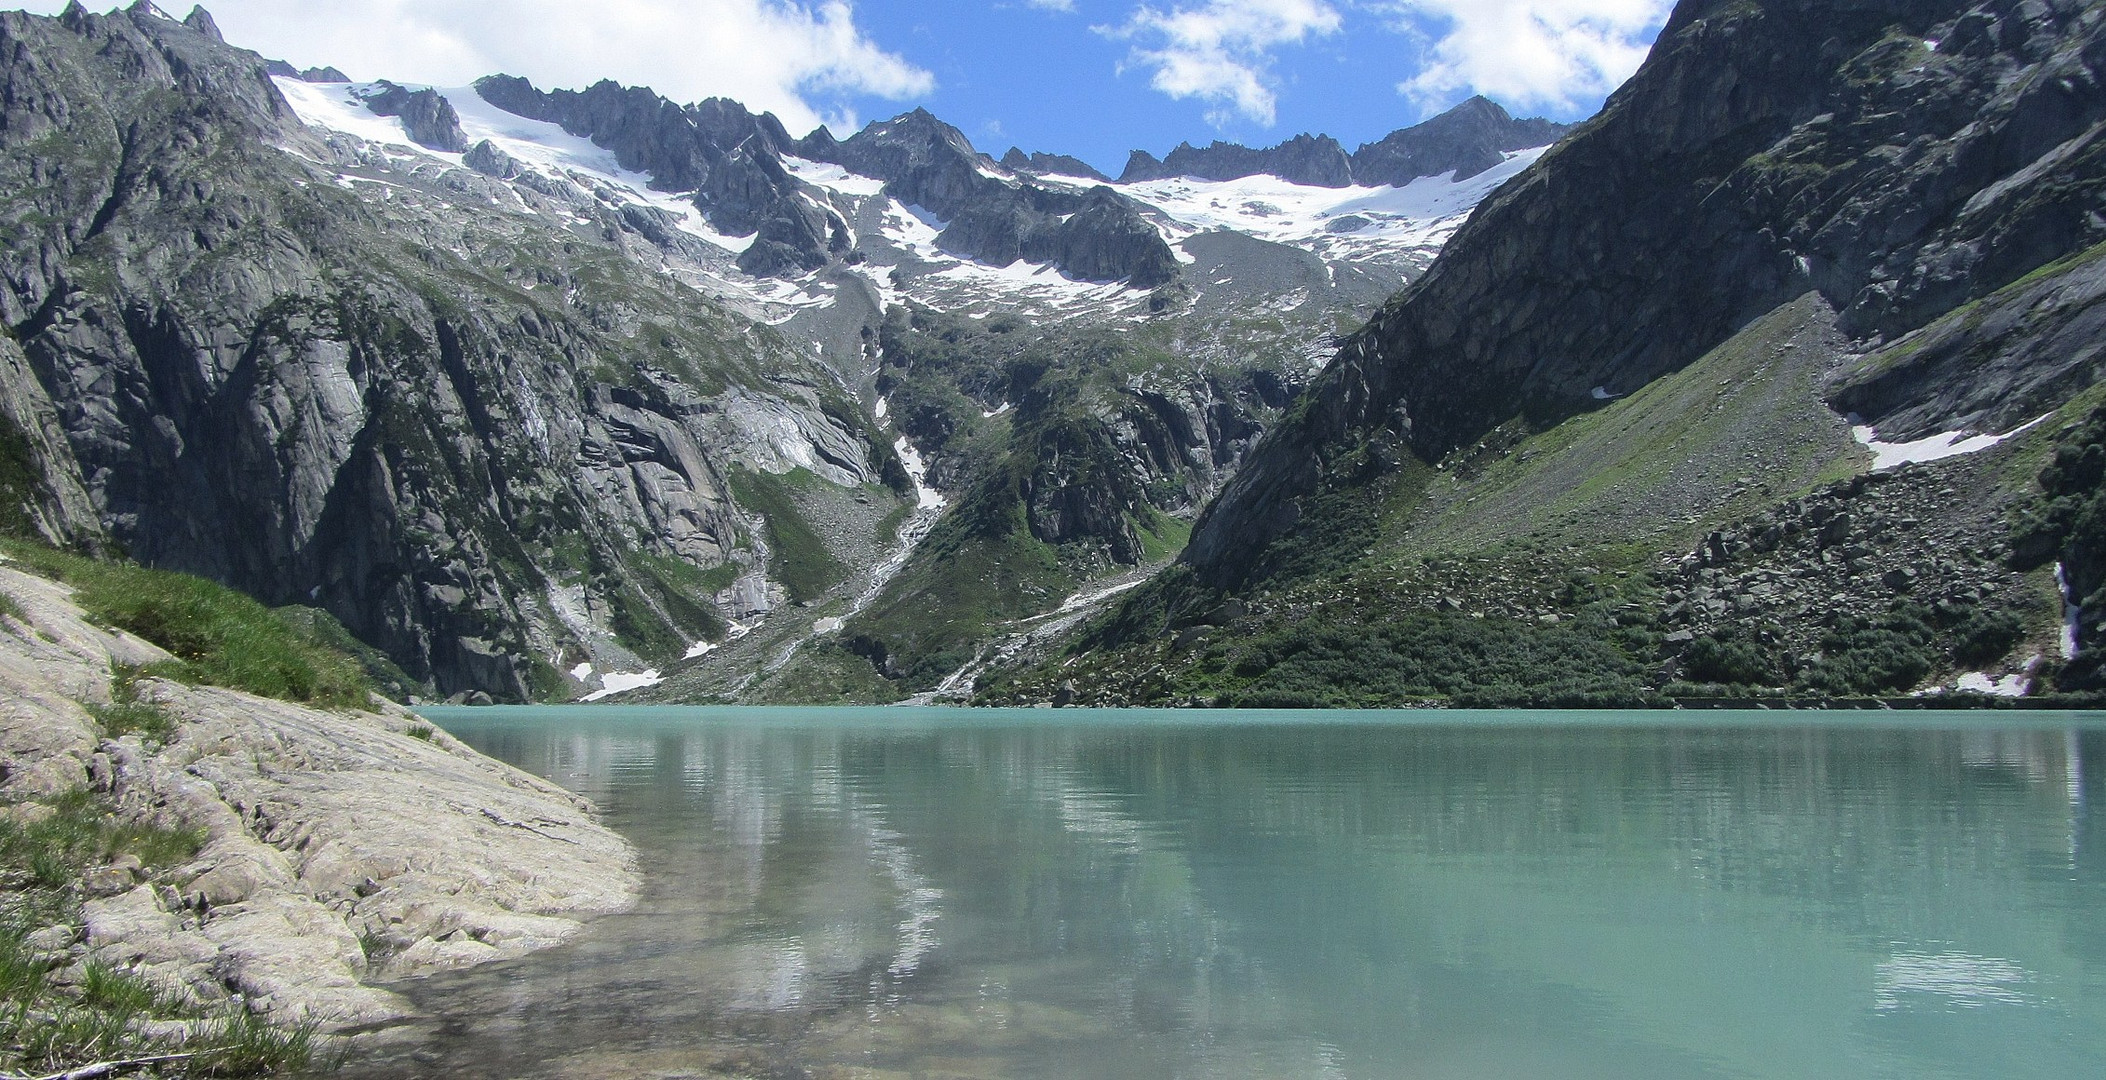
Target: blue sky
<point>1093,78</point>
<point>1084,80</point>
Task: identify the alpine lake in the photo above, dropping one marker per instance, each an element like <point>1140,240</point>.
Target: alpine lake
<point>941,893</point>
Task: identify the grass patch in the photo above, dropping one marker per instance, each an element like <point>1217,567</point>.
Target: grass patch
<point>1163,537</point>
<point>826,673</point>
<point>315,625</point>
<point>800,558</point>
<point>82,830</point>
<point>963,581</point>
<point>242,1043</point>
<point>1743,426</point>
<point>219,637</point>
<point>127,715</point>
<point>12,608</point>
<point>421,731</point>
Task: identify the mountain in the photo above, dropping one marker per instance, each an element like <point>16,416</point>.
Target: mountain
<point>270,356</point>
<point>1316,160</point>
<point>1641,430</point>
<point>1735,172</point>
<point>1466,140</point>
<point>551,393</point>
<point>1059,164</point>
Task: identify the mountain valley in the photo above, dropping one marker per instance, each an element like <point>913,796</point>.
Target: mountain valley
<point>554,394</point>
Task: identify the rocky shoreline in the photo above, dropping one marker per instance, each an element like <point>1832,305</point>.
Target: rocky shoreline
<point>339,850</point>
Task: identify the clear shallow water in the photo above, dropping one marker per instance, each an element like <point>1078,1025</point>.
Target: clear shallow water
<point>897,893</point>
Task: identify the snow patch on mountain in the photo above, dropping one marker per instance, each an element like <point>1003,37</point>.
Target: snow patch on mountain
<point>1938,447</point>
<point>1341,224</point>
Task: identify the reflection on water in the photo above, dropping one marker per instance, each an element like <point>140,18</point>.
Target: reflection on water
<point>1093,896</point>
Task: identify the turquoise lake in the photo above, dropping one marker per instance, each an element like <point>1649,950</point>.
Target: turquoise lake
<point>1081,894</point>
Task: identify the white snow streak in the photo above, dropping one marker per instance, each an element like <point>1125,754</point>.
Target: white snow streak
<point>925,497</point>
<point>1979,682</point>
<point>1933,448</point>
<point>616,682</point>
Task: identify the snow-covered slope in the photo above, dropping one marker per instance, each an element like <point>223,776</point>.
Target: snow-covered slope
<point>1396,227</point>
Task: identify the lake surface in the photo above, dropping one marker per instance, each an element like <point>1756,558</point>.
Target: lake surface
<point>1075,894</point>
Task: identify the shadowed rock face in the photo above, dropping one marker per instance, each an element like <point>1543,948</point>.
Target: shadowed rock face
<point>465,442</point>
<point>1900,159</point>
<point>428,118</point>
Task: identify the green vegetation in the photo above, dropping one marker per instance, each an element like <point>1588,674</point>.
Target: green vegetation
<point>1163,537</point>
<point>801,561</point>
<point>77,830</point>
<point>219,637</point>
<point>1425,656</point>
<point>127,715</point>
<point>1742,427</point>
<point>424,732</point>
<point>12,608</point>
<point>387,679</point>
<point>2066,522</point>
<point>826,673</point>
<point>960,582</point>
<point>660,606</point>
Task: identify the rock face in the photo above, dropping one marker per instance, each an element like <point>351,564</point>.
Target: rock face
<point>727,158</point>
<point>1095,235</point>
<point>731,162</point>
<point>284,70</point>
<point>1465,140</point>
<point>1055,164</point>
<point>469,440</point>
<point>339,849</point>
<point>428,118</point>
<point>678,145</point>
<point>1901,159</point>
<point>1304,159</point>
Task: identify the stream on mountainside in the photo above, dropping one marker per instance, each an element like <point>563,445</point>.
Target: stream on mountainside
<point>1074,893</point>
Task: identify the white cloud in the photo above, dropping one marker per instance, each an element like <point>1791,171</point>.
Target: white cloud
<point>1052,5</point>
<point>1531,53</point>
<point>783,56</point>
<point>1221,52</point>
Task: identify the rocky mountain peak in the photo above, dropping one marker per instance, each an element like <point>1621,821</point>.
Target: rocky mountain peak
<point>924,161</point>
<point>997,219</point>
<point>1050,164</point>
<point>1465,140</point>
<point>428,118</point>
<point>1317,160</point>
<point>200,20</point>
